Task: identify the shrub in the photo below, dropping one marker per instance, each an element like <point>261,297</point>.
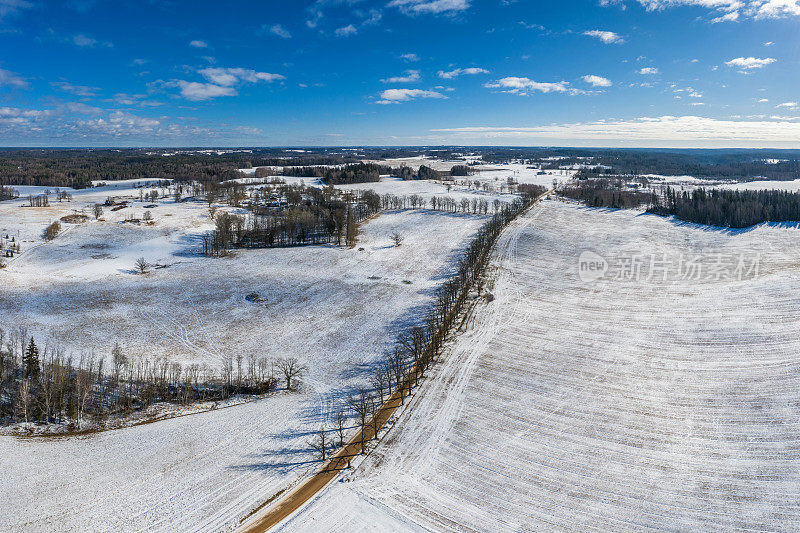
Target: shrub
<point>52,231</point>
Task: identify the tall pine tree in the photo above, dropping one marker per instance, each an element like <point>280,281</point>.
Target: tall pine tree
<point>31,360</point>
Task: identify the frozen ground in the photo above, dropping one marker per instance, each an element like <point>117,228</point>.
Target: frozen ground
<point>86,295</point>
<point>495,176</point>
<point>791,185</point>
<point>335,309</point>
<point>628,404</point>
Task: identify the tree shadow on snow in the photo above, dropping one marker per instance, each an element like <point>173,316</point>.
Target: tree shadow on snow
<point>191,245</point>
<point>722,229</point>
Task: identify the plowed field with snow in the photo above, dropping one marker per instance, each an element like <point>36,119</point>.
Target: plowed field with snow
<point>336,309</point>
<point>613,404</point>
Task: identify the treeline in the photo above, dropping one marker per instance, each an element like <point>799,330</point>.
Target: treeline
<point>705,164</point>
<point>48,386</point>
<point>313,216</point>
<point>424,173</point>
<point>728,208</point>
<point>530,190</point>
<point>79,171</point>
<point>606,193</point>
<point>417,348</point>
<point>8,193</point>
<point>736,164</point>
<point>347,174</point>
<point>713,207</point>
<point>461,170</point>
<point>78,168</point>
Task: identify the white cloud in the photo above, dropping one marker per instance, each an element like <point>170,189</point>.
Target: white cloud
<point>79,108</point>
<point>14,112</point>
<point>461,72</point>
<point>645,131</point>
<point>410,76</point>
<point>765,9</point>
<point>768,43</point>
<point>371,18</point>
<point>77,90</point>
<point>763,100</point>
<point>231,76</point>
<point>411,58</point>
<point>222,82</point>
<point>729,10</point>
<point>12,7</point>
<point>597,81</point>
<point>135,99</point>
<point>608,37</point>
<point>346,31</point>
<point>198,44</point>
<point>525,86</point>
<point>12,78</point>
<point>647,71</point>
<point>120,123</point>
<point>749,63</point>
<point>531,26</point>
<point>789,105</point>
<point>732,16</point>
<point>279,31</point>
<point>417,7</point>
<point>80,123</point>
<point>198,92</point>
<point>315,18</point>
<point>396,96</point>
<point>84,41</point>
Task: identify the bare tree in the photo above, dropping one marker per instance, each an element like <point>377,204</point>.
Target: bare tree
<point>98,211</point>
<point>321,444</point>
<point>360,404</point>
<point>341,419</point>
<point>25,398</point>
<point>376,418</point>
<point>292,370</point>
<point>379,382</point>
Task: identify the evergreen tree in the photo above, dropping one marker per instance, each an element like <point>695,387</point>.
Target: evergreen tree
<point>31,360</point>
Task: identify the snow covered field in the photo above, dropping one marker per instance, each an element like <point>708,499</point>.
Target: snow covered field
<point>493,174</point>
<point>689,183</point>
<point>335,309</point>
<point>613,404</point>
<point>790,185</point>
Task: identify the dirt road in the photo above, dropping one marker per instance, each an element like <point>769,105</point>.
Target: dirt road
<point>272,513</point>
<point>264,518</point>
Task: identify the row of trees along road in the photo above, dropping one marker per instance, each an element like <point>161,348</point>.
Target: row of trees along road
<point>417,348</point>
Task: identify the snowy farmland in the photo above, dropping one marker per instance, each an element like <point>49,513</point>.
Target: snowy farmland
<point>606,404</point>
<point>334,308</point>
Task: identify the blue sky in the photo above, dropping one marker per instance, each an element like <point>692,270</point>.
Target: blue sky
<point>671,73</point>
